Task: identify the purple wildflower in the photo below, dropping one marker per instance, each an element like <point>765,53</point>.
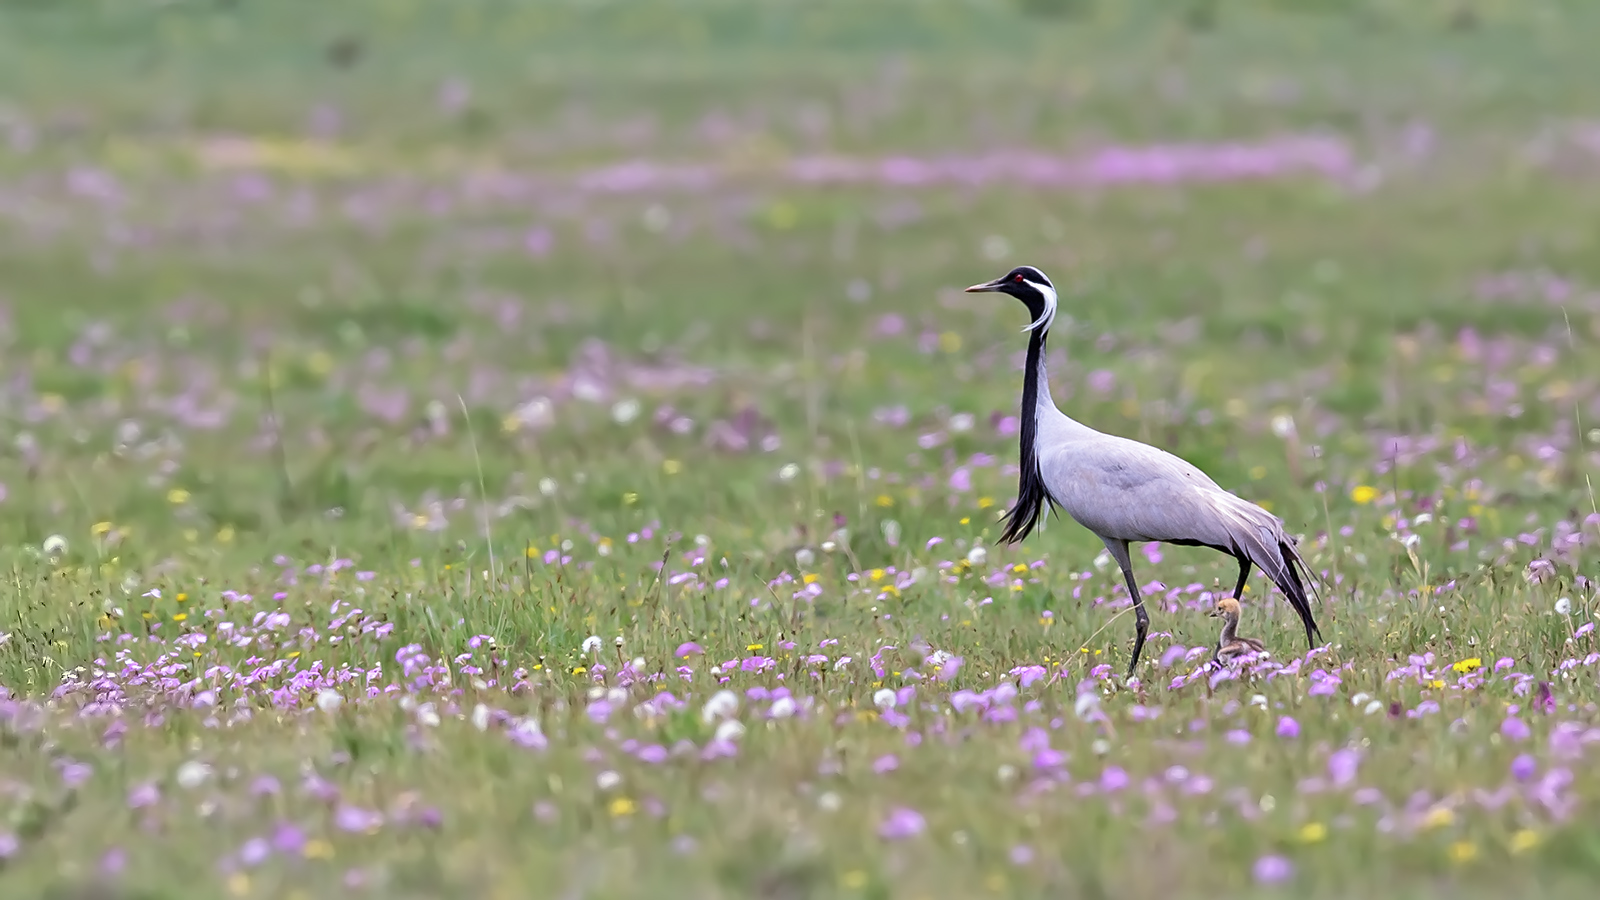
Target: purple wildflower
<point>354,818</point>
<point>254,852</point>
<point>687,648</point>
<point>288,839</point>
<point>1288,728</point>
<point>1523,767</point>
<point>902,823</point>
<point>1342,765</point>
<point>144,795</point>
<point>1273,870</point>
<point>1515,730</point>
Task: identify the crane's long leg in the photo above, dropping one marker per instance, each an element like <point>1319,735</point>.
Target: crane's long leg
<point>1119,552</point>
<point>1244,573</point>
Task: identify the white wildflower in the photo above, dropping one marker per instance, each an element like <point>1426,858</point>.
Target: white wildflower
<point>192,774</point>
<point>624,411</point>
<point>592,644</point>
<point>607,780</point>
<point>1086,705</point>
<point>480,717</point>
<point>329,700</point>
<point>783,708</point>
<point>722,704</point>
<point>1564,606</point>
<point>977,556</point>
<point>730,730</point>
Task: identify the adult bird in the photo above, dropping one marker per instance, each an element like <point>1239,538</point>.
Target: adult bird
<point>1125,491</point>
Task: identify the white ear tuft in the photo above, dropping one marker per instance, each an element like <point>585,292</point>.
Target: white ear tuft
<point>1049,314</point>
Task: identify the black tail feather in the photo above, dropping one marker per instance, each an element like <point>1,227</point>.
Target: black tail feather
<point>1294,587</point>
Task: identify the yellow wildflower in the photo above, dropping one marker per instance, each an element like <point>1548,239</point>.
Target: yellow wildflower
<point>177,496</point>
<point>1312,832</point>
<point>1524,840</point>
<point>100,529</point>
<point>621,806</point>
<point>884,500</point>
<point>1363,494</point>
<point>671,466</point>
<point>1438,817</point>
<point>1463,852</point>
<point>754,647</point>
<point>1468,665</point>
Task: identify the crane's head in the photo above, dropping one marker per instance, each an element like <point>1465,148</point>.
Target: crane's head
<point>1031,287</point>
<point>1226,608</point>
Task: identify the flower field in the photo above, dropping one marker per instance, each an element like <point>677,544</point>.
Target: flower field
<point>543,450</point>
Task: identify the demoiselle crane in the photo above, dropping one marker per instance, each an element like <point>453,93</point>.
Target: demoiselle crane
<point>1126,491</point>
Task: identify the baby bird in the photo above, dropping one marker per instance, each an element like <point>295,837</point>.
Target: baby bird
<point>1232,647</point>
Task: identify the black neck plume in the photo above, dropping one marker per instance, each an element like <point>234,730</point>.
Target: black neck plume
<point>1031,493</point>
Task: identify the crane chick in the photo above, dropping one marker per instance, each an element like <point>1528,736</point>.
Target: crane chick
<point>1231,647</point>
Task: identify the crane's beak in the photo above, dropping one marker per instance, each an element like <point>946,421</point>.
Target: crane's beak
<point>985,288</point>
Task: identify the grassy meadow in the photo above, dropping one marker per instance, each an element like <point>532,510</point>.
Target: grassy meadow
<point>542,449</point>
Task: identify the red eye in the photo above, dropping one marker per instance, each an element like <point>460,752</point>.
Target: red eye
<point>1017,279</point>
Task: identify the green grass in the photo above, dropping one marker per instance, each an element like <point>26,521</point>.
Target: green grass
<point>218,379</point>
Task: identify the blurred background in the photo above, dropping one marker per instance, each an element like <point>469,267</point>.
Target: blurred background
<point>737,231</point>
